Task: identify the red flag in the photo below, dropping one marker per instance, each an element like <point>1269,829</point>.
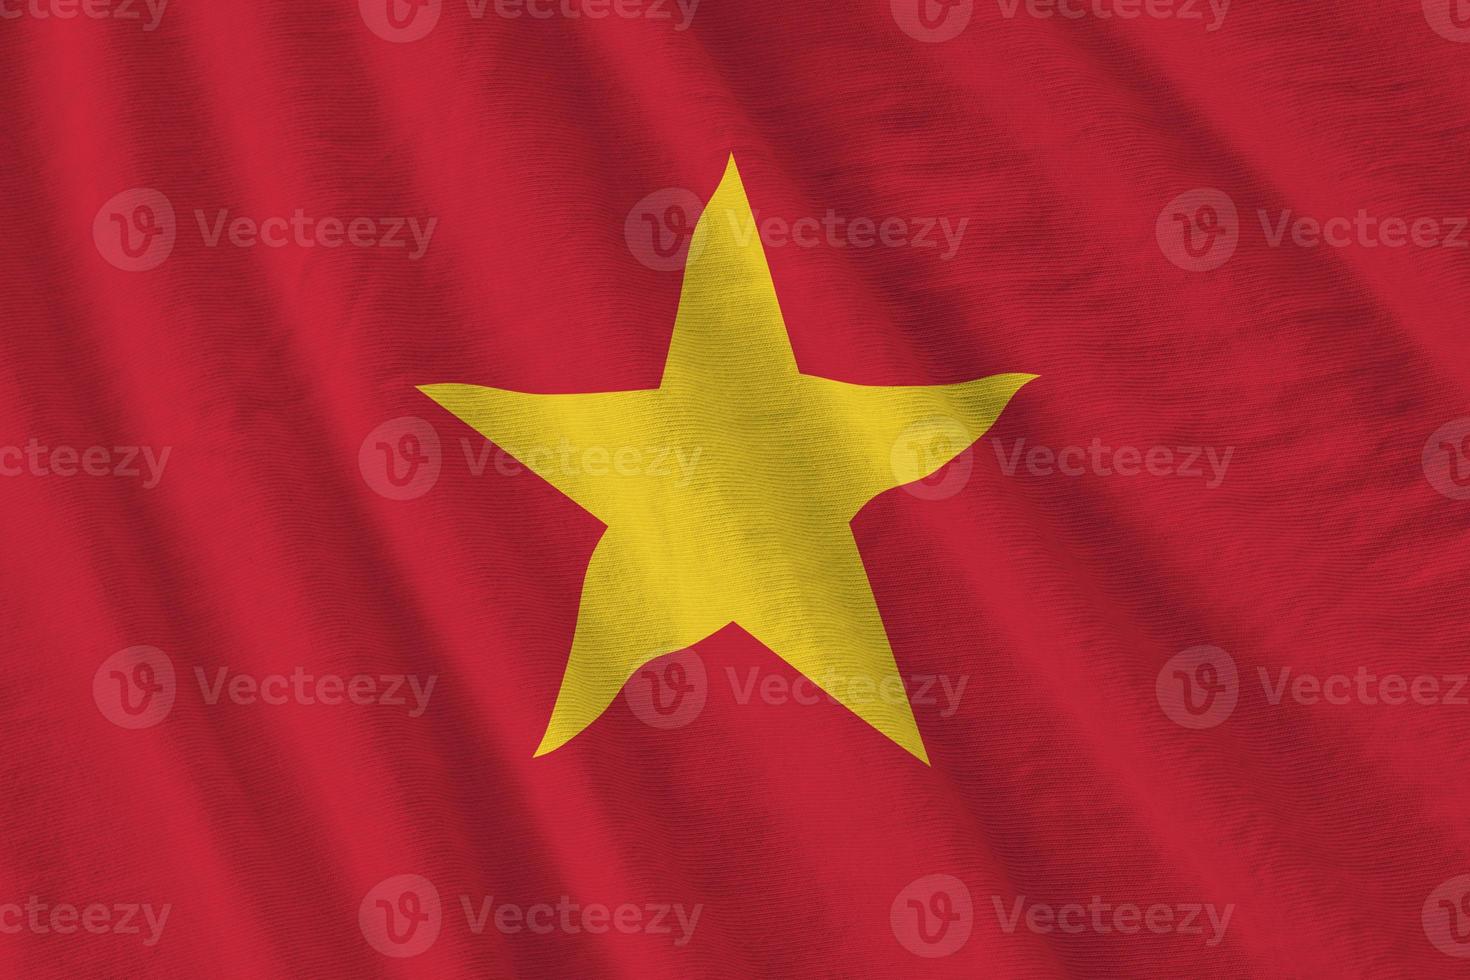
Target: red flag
<point>1153,666</point>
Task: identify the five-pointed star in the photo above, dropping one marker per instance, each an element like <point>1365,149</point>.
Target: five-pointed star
<point>757,531</point>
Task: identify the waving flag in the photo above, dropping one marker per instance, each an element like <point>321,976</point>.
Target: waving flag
<point>674,488</point>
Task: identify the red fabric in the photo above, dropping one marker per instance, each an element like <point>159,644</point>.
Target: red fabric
<point>1059,776</point>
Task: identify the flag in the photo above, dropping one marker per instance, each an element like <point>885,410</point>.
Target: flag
<point>669,489</point>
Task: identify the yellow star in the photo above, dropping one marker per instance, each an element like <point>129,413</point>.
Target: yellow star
<point>754,528</point>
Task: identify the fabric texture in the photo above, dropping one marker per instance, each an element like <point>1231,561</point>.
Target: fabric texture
<point>1183,634</point>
